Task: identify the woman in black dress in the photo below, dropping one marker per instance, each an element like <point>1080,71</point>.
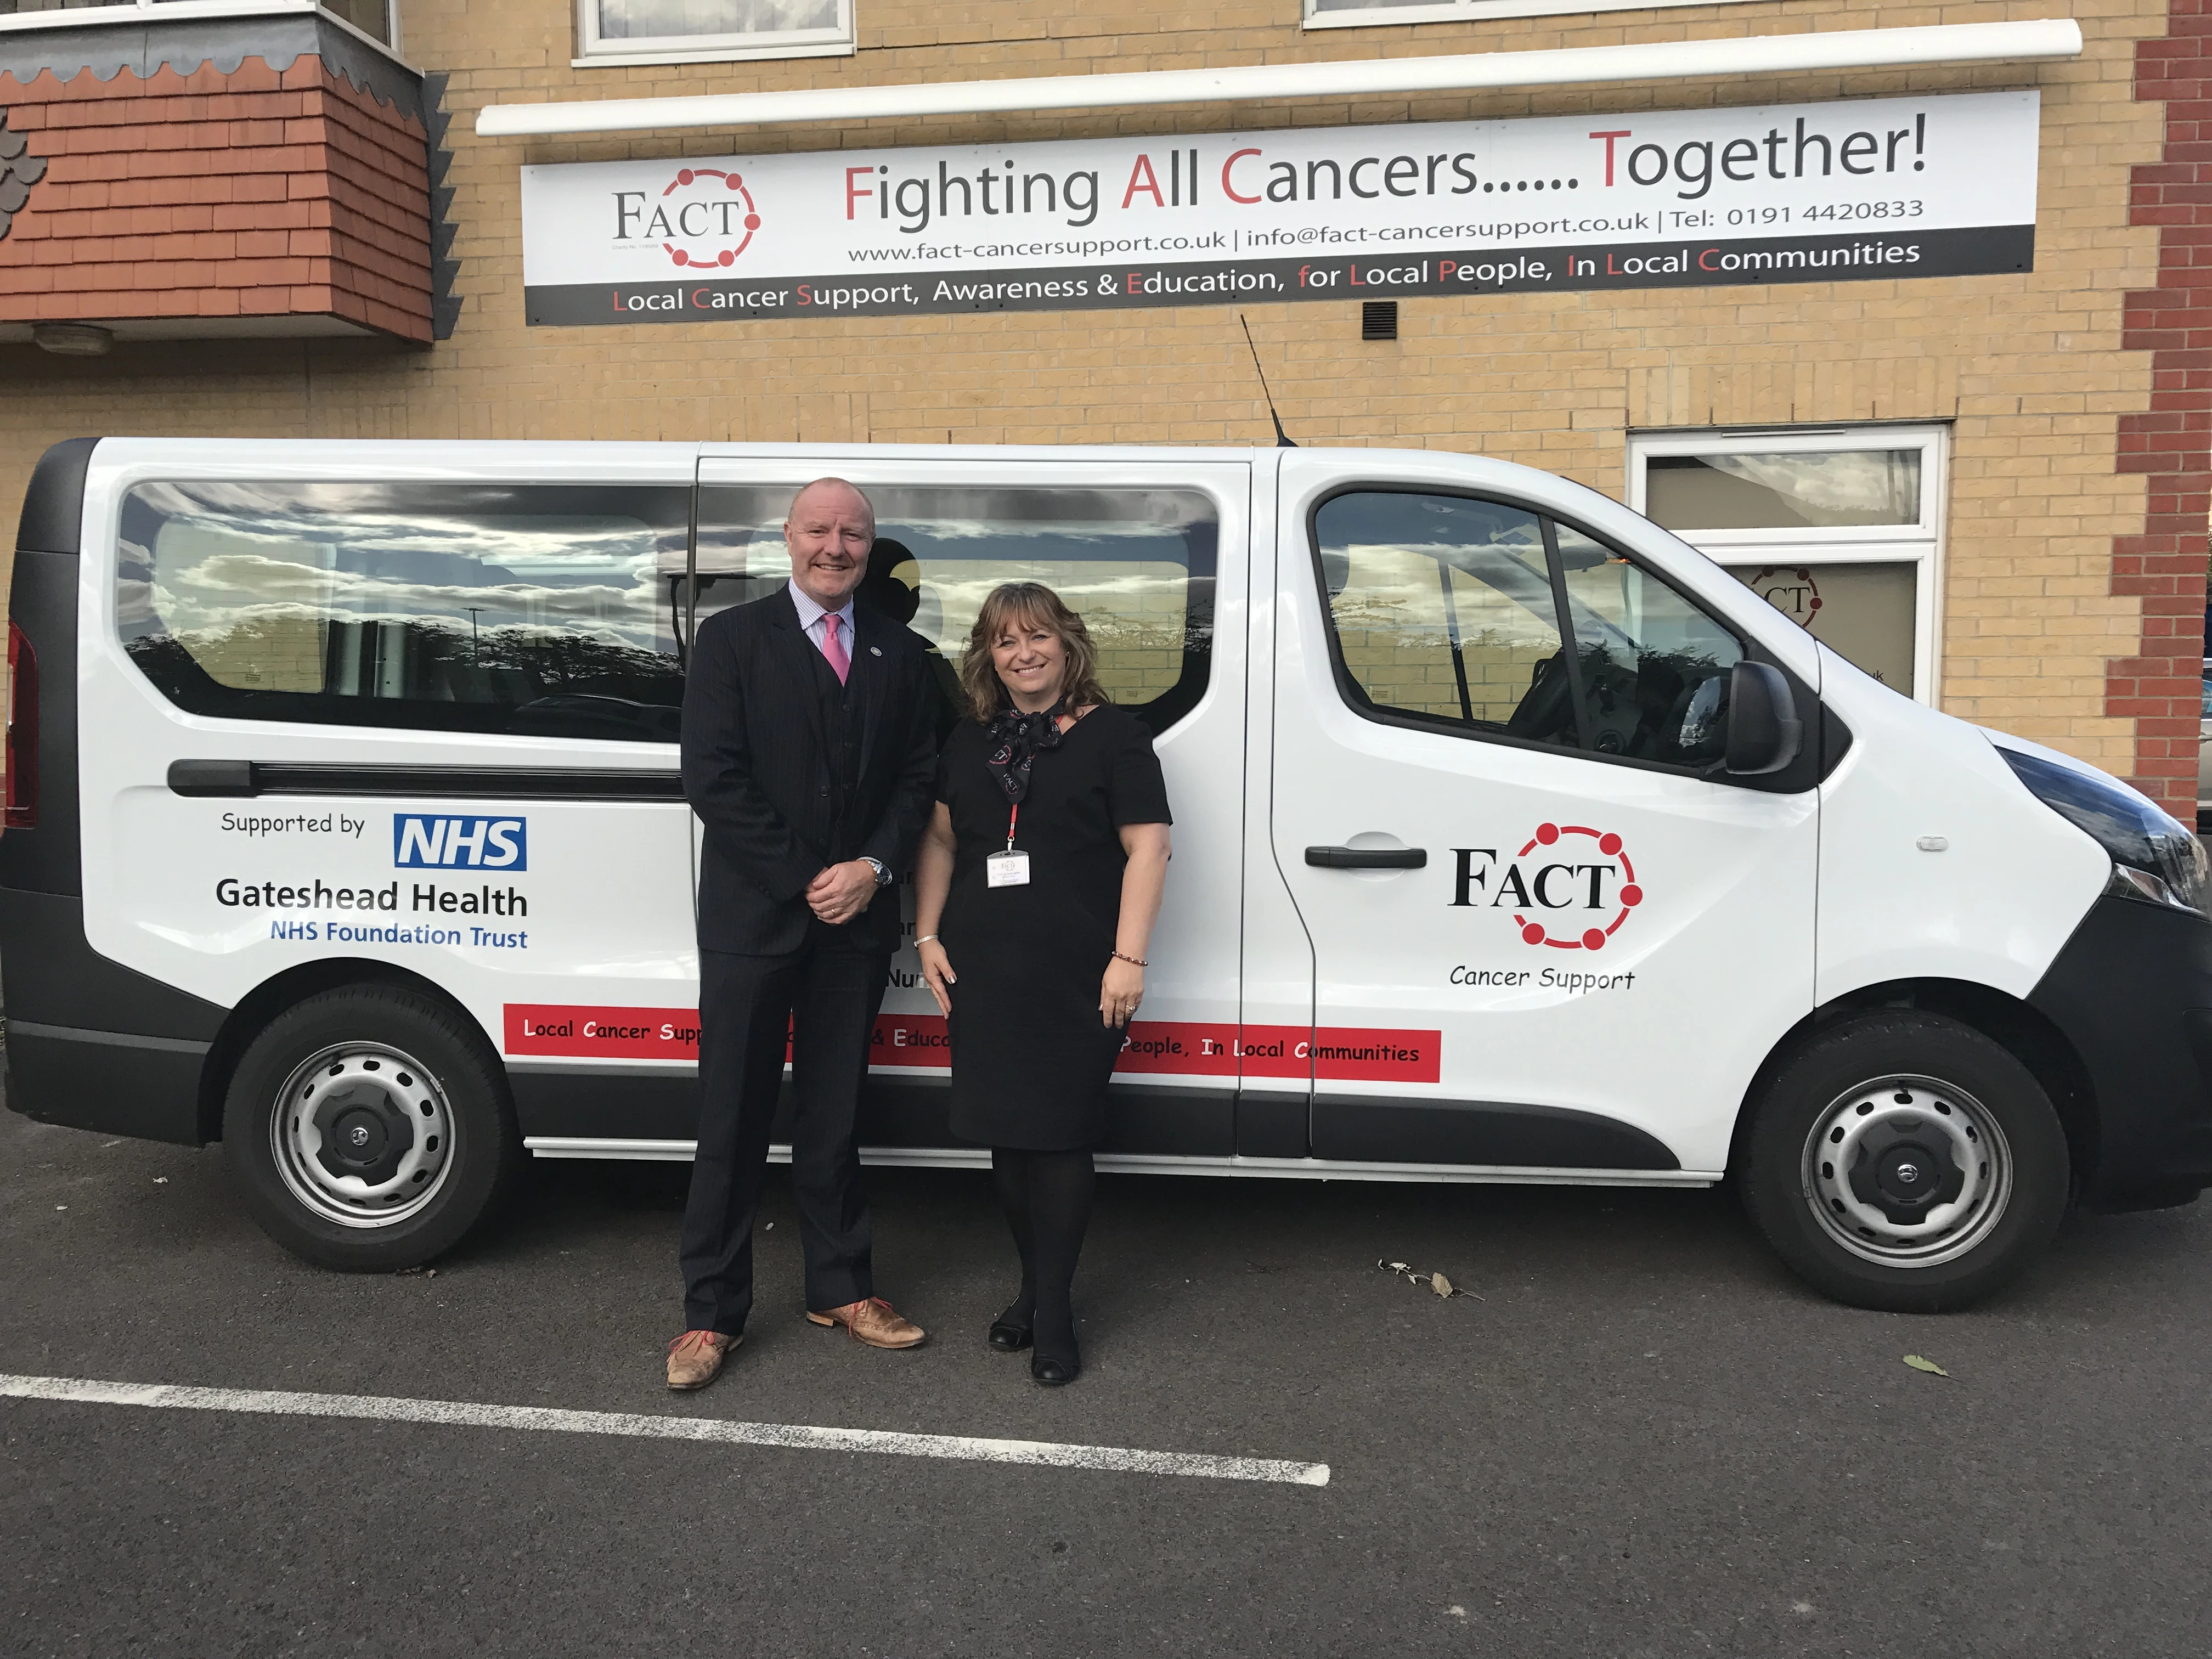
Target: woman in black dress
<point>1041,877</point>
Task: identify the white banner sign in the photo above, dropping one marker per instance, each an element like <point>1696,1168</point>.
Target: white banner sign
<point>1934,187</point>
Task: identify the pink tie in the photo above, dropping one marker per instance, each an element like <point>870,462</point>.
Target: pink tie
<point>833,649</point>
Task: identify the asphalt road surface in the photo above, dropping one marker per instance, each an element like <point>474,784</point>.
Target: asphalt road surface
<point>1644,1438</point>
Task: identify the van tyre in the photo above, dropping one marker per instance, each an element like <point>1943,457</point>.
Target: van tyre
<point>1903,1162</point>
<point>369,1129</point>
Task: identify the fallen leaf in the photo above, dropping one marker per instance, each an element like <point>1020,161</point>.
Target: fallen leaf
<point>1928,1365</point>
<point>160,1181</point>
<point>1440,1284</point>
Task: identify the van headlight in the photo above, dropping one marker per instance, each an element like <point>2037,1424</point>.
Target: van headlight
<point>2154,858</point>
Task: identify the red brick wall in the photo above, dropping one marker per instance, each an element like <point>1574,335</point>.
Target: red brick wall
<point>2171,441</point>
<point>252,194</point>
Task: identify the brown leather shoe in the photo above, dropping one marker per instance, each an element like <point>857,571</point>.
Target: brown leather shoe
<point>874,1322</point>
<point>695,1358</point>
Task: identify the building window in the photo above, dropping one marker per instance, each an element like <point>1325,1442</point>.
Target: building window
<point>1373,14</point>
<point>373,18</point>
<point>1840,529</point>
<point>694,31</point>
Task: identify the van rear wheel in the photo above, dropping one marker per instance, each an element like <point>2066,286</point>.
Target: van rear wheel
<point>1903,1162</point>
<point>368,1129</point>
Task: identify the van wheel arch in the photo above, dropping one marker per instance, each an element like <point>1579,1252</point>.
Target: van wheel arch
<point>2026,1034</point>
<point>295,985</point>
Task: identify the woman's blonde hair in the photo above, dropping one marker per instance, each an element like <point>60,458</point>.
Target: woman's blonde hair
<point>1029,605</point>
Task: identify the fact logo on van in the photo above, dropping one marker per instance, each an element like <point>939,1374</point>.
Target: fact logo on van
<point>420,841</point>
<point>1570,887</point>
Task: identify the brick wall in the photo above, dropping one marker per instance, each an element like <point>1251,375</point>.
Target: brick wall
<point>2033,371</point>
<point>249,194</point>
<point>2170,443</point>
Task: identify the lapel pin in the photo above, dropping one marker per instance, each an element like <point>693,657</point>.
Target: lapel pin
<point>875,651</point>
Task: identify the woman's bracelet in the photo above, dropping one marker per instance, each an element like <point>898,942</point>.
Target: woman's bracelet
<point>923,940</point>
<point>1135,961</point>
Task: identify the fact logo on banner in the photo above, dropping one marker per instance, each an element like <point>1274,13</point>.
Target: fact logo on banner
<point>1568,887</point>
<point>422,842</point>
<point>705,218</point>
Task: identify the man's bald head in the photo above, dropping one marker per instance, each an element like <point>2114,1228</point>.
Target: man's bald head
<point>831,527</point>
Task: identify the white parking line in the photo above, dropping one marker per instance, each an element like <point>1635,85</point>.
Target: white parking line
<point>795,1436</point>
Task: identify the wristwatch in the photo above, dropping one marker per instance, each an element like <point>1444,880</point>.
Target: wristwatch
<point>882,876</point>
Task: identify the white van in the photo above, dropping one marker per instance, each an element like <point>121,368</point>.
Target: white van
<point>1515,842</point>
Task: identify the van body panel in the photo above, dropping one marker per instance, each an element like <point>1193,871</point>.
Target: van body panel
<point>1994,907</point>
<point>601,906</point>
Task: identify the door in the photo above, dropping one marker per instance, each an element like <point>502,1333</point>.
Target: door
<point>1545,935</point>
<point>1150,552</point>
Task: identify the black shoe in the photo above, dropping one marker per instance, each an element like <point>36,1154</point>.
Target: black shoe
<point>1053,1371</point>
<point>1007,1337</point>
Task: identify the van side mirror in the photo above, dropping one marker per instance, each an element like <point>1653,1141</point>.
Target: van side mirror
<point>1764,732</point>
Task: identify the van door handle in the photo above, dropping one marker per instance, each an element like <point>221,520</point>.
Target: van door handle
<point>1368,857</point>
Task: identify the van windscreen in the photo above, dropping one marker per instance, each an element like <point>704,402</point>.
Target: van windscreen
<point>531,609</point>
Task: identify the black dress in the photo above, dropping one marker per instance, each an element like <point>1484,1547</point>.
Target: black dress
<point>1030,1055</point>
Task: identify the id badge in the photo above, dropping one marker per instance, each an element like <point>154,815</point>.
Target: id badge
<point>1006,870</point>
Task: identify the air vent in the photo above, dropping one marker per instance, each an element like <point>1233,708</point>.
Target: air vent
<point>1378,319</point>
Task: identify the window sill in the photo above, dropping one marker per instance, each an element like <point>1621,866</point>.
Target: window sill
<point>1482,10</point>
<point>737,54</point>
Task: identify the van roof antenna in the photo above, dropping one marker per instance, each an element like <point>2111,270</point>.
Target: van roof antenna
<point>1282,439</point>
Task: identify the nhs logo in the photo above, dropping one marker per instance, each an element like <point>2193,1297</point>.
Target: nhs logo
<point>421,842</point>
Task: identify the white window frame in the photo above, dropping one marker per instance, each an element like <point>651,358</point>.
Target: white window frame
<point>592,52</point>
<point>1463,11</point>
<point>1919,545</point>
<point>138,13</point>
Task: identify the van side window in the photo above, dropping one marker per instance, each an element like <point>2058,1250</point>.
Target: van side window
<point>1445,611</point>
<point>1442,609</point>
<point>1136,562</point>
<point>544,609</point>
<point>1654,667</point>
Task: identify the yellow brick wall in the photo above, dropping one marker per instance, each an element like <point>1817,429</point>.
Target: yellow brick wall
<point>2029,367</point>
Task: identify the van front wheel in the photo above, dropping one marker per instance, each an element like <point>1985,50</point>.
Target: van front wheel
<point>1903,1162</point>
<point>367,1130</point>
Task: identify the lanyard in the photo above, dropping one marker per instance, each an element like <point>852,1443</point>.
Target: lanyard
<point>1012,812</point>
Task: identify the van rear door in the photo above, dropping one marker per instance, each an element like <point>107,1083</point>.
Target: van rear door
<point>1544,939</point>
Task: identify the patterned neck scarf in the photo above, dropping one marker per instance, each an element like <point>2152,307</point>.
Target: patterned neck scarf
<point>1016,740</point>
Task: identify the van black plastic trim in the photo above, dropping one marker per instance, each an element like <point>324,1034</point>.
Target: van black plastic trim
<point>115,1039</point>
<point>2132,991</point>
<point>91,1080</point>
<point>1352,1128</point>
<point>53,507</point>
<point>51,977</point>
<point>245,780</point>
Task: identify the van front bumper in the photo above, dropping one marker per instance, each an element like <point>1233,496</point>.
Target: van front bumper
<point>2132,993</point>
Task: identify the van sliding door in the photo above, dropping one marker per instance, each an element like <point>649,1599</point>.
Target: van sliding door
<point>1152,553</point>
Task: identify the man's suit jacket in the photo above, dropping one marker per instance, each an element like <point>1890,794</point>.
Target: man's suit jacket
<point>757,771</point>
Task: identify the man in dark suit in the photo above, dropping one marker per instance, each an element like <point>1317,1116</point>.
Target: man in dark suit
<point>809,756</point>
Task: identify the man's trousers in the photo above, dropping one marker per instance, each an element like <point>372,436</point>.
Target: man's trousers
<point>826,995</point>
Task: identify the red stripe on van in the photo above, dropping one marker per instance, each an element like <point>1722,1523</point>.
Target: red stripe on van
<point>1175,1048</point>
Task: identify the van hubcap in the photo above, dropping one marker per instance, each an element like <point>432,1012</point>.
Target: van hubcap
<point>1907,1171</point>
<point>362,1135</point>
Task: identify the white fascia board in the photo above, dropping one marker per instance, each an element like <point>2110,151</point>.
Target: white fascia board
<point>1666,60</point>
